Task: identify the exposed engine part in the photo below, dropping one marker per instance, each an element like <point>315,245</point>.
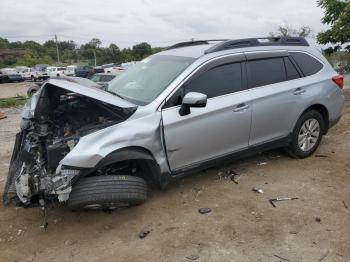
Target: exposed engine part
<point>62,118</point>
<point>23,188</point>
<point>55,153</point>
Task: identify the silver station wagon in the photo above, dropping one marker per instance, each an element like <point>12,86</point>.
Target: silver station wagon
<point>187,108</point>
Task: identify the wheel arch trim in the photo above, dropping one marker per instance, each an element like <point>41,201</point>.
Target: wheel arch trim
<point>322,109</point>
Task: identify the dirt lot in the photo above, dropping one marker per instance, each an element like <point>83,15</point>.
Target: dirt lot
<point>242,226</point>
<point>14,89</point>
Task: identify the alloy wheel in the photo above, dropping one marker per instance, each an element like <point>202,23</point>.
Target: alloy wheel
<point>309,134</point>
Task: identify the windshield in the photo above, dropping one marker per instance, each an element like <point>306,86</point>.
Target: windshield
<point>143,82</point>
<point>95,78</point>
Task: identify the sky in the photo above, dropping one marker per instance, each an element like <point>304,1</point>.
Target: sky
<point>157,22</point>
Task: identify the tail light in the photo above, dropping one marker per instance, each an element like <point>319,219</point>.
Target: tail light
<point>338,80</point>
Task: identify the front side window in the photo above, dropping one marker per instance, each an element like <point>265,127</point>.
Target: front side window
<point>266,71</point>
<point>143,82</point>
<point>307,64</point>
<point>217,81</point>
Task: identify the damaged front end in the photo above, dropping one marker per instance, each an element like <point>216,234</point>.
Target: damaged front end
<point>54,120</point>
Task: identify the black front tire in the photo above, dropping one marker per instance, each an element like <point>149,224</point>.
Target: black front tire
<point>107,192</point>
<point>294,150</point>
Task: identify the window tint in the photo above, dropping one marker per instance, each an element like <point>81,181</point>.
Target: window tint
<point>106,78</point>
<point>217,81</point>
<point>266,71</point>
<point>307,64</point>
<point>291,71</point>
<point>176,98</point>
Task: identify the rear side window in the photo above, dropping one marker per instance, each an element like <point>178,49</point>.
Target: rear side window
<point>217,81</point>
<point>266,71</point>
<point>307,64</point>
<point>292,72</point>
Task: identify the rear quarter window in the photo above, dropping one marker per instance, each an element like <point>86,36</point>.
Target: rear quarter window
<point>307,64</point>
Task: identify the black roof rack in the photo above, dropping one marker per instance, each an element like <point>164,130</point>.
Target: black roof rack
<point>194,42</point>
<point>262,41</point>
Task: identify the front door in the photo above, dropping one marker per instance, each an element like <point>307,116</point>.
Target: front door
<point>220,128</point>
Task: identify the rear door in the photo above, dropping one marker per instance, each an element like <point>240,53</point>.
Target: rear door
<point>216,130</point>
<point>277,91</point>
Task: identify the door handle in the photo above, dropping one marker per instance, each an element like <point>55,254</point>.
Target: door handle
<point>299,91</point>
<point>240,107</point>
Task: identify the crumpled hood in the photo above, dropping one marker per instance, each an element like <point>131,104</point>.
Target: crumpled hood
<point>91,92</point>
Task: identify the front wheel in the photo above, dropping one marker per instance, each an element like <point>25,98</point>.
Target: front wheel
<point>307,134</point>
<point>107,192</point>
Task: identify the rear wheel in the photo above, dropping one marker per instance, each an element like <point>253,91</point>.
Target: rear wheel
<point>107,192</point>
<point>307,134</point>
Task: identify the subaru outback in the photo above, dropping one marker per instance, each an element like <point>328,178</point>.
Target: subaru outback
<point>184,109</point>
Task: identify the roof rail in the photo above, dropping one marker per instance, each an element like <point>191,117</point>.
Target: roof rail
<point>261,41</point>
<point>194,42</point>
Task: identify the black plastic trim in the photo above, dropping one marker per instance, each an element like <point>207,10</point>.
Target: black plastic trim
<point>251,42</point>
<point>256,55</point>
<point>193,43</point>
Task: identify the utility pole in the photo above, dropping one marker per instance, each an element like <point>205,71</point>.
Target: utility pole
<point>93,50</point>
<point>58,54</point>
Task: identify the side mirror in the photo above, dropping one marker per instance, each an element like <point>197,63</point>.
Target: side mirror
<point>192,99</point>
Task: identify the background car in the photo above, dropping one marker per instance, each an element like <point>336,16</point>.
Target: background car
<point>84,71</point>
<point>9,75</point>
<point>70,71</point>
<point>98,69</point>
<point>55,71</point>
<point>103,79</point>
<point>78,80</point>
<point>28,73</point>
<point>115,69</point>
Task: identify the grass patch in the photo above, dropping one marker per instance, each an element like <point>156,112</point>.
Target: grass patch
<point>13,101</point>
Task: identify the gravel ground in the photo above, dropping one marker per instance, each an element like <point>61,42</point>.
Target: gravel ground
<point>242,225</point>
<point>14,89</point>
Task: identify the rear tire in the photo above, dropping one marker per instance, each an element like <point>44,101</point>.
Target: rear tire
<point>107,192</point>
<point>307,134</point>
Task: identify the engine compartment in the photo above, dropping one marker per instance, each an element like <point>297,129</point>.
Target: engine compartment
<point>61,118</point>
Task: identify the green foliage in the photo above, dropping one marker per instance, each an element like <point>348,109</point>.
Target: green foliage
<point>46,53</point>
<point>13,101</point>
<point>4,43</point>
<point>337,16</point>
<point>95,43</point>
<point>141,50</point>
<point>32,58</point>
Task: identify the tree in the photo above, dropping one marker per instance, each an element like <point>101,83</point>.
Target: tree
<point>115,53</point>
<point>3,43</point>
<point>95,43</point>
<point>289,30</point>
<point>31,58</point>
<point>157,49</point>
<point>337,16</point>
<point>141,50</point>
